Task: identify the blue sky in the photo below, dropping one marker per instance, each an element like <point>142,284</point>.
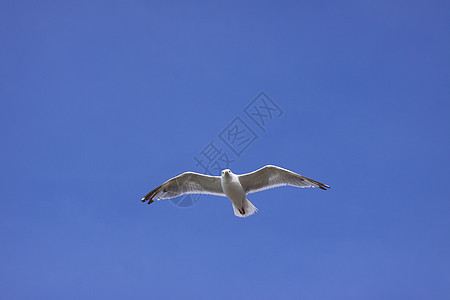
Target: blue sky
<point>101,101</point>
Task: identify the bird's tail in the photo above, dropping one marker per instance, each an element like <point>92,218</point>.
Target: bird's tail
<point>246,210</point>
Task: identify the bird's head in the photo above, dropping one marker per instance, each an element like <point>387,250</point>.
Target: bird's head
<point>226,172</point>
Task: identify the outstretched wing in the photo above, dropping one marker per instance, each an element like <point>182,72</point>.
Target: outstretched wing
<point>186,183</point>
<point>272,176</point>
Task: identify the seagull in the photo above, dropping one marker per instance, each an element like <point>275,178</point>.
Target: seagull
<point>235,187</point>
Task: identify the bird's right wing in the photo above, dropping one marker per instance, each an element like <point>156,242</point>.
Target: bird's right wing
<point>186,183</point>
<point>272,176</point>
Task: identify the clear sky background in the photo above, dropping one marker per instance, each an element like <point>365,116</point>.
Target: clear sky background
<point>101,101</point>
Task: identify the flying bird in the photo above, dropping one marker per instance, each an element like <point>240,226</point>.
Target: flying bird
<point>235,187</point>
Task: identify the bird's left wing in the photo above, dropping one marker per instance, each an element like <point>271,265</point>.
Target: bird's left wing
<point>272,176</point>
<point>186,183</point>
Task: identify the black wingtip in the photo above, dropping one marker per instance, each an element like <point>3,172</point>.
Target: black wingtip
<point>324,187</point>
<point>143,200</point>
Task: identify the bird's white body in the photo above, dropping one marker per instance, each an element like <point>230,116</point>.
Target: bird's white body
<point>234,187</point>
